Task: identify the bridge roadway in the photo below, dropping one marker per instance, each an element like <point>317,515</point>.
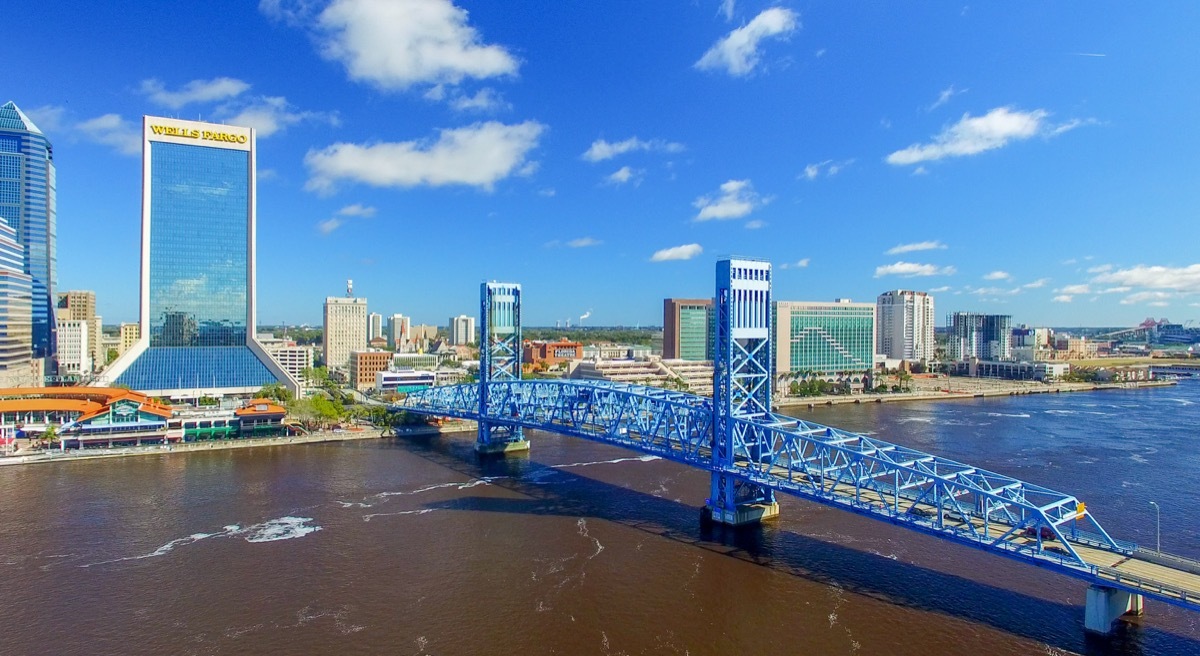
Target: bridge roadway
<point>849,471</point>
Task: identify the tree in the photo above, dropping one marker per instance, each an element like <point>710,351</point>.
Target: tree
<point>111,356</point>
<point>275,391</point>
<point>51,435</point>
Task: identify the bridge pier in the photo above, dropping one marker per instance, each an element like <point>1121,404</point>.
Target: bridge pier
<point>497,448</point>
<point>742,515</point>
<point>1105,605</point>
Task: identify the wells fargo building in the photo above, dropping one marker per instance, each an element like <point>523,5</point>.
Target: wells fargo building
<point>197,272</point>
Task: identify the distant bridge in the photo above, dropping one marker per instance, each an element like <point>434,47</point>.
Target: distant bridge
<point>752,453</point>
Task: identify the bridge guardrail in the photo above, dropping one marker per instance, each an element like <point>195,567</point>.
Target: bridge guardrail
<point>1169,560</point>
<point>1147,585</point>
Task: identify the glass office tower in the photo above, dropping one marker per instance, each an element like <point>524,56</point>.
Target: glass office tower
<point>27,204</point>
<point>198,237</point>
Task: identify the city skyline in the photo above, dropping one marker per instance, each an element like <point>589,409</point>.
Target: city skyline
<point>859,149</point>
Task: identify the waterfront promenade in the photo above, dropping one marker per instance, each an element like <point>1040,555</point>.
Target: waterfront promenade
<point>949,389</point>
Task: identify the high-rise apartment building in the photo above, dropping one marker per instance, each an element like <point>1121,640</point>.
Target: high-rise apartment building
<point>198,296</point>
<point>689,329</point>
<point>904,323</point>
<point>130,332</point>
<point>831,341</point>
<point>345,330</point>
<point>28,205</point>
<point>374,326</point>
<point>16,314</point>
<point>398,331</point>
<point>462,330</point>
<point>74,348</point>
<point>78,305</point>
<point>982,336</point>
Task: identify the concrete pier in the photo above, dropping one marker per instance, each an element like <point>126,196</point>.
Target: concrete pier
<point>746,514</point>
<point>1105,605</point>
<point>502,448</point>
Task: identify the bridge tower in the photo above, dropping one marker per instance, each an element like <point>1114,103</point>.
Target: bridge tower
<point>499,360</point>
<point>741,386</point>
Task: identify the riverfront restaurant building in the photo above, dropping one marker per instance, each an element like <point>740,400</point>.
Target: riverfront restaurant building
<point>197,319</point>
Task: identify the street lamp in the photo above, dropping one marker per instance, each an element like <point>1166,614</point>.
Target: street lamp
<point>1157,527</point>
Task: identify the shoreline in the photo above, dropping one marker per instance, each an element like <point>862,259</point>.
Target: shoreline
<point>1001,390</point>
<point>75,455</point>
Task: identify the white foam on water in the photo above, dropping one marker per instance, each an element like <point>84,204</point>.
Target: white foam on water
<point>1180,401</point>
<point>646,458</point>
<point>923,420</point>
<point>1059,412</point>
<point>1139,459</point>
<point>1018,415</point>
<point>367,518</point>
<point>283,528</point>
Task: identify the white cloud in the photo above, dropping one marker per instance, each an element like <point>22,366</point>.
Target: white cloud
<point>329,225</point>
<point>832,168</point>
<point>737,198</point>
<point>1158,299</point>
<point>685,252</point>
<point>945,96</point>
<point>1036,284</point>
<point>1063,298</point>
<point>1103,268</point>
<point>357,209</point>
<point>601,150</point>
<point>270,114</point>
<point>548,192</point>
<point>292,12</point>
<point>998,275</point>
<point>397,44</point>
<point>584,242</point>
<point>1116,290</point>
<point>1075,289</point>
<point>727,7</point>
<point>484,100</point>
<point>976,134</point>
<point>996,291</point>
<point>799,264</point>
<point>49,118</point>
<point>196,91</point>
<point>755,224</point>
<point>478,155</point>
<point>938,290</point>
<point>112,130</point>
<point>738,52</point>
<point>1180,279</point>
<point>912,269</point>
<point>623,175</point>
<point>917,246</point>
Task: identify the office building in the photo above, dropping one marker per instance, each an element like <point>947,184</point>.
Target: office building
<point>16,314</point>
<point>294,359</point>
<point>462,330</point>
<point>345,330</point>
<point>374,326</point>
<point>904,323</point>
<point>27,204</point>
<point>398,330</point>
<point>981,336</point>
<point>198,298</point>
<point>365,364</point>
<point>74,348</point>
<point>834,341</point>
<point>689,329</point>
<point>551,353</point>
<point>78,305</point>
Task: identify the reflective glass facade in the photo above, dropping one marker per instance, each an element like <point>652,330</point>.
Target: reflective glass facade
<point>16,319</point>
<point>695,332</point>
<point>197,271</point>
<point>825,339</point>
<point>27,204</point>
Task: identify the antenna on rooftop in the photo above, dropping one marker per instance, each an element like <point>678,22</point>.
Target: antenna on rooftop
<point>349,288</point>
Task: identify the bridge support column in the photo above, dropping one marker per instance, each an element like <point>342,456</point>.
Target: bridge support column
<point>499,361</point>
<point>742,376</point>
<point>1105,605</point>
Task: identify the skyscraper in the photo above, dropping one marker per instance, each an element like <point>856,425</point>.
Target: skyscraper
<point>16,319</point>
<point>398,331</point>
<point>345,329</point>
<point>198,314</point>
<point>688,328</point>
<point>374,326</point>
<point>27,203</point>
<point>904,325</point>
<point>831,341</point>
<point>77,305</point>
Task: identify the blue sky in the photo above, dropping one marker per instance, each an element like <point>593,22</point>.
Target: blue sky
<point>1034,159</point>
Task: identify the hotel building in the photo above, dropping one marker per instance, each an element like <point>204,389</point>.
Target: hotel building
<point>345,330</point>
<point>828,341</point>
<point>28,205</point>
<point>981,336</point>
<point>198,296</point>
<point>462,330</point>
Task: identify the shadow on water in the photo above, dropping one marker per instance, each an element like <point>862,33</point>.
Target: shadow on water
<point>1056,624</point>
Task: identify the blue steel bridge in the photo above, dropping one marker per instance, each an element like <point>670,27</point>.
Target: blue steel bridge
<point>752,454</point>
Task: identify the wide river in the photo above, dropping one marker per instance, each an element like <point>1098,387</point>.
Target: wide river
<point>413,547</point>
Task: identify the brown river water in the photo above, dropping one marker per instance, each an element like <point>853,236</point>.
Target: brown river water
<point>413,546</point>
